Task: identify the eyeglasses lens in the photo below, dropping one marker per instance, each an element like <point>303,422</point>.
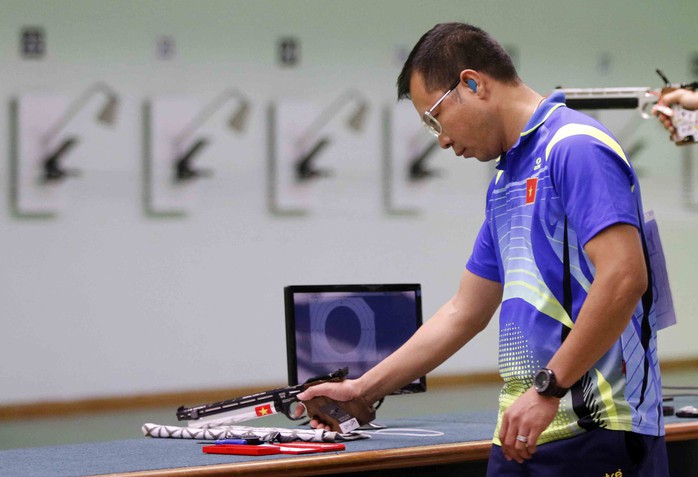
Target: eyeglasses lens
<point>431,124</point>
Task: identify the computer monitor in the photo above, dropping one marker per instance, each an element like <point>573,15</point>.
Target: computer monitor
<point>329,327</point>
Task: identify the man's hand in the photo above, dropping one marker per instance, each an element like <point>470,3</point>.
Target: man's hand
<point>342,391</point>
<point>528,417</point>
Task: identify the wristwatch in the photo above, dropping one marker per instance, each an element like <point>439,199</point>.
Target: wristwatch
<point>545,383</point>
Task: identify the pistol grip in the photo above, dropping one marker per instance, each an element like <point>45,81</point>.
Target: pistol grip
<point>344,416</point>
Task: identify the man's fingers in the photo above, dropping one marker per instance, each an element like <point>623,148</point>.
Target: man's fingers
<point>510,445</point>
<point>518,441</point>
<point>314,391</point>
<point>660,109</point>
<point>299,410</point>
<point>523,441</point>
<point>532,440</point>
<point>315,424</point>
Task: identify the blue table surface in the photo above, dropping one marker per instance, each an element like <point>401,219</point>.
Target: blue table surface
<point>144,454</point>
<point>134,455</point>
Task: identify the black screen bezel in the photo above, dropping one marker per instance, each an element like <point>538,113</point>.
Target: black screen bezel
<point>417,386</point>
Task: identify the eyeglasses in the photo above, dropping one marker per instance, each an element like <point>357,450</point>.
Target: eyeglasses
<point>430,122</point>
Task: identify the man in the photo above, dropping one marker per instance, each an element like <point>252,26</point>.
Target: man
<point>561,249</point>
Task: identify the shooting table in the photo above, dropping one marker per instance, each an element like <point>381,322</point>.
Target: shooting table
<point>462,449</point>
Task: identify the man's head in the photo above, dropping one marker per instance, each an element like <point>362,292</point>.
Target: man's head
<point>464,85</point>
<point>449,48</point>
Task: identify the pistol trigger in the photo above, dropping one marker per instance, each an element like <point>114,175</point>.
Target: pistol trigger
<point>285,407</point>
<point>290,409</point>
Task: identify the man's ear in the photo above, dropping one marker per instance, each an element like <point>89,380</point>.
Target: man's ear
<point>471,78</point>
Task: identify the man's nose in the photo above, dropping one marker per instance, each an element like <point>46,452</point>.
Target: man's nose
<point>445,141</point>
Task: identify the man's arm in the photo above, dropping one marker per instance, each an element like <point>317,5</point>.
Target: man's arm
<point>451,327</point>
<point>619,283</point>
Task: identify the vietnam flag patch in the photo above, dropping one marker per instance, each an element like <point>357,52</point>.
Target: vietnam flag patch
<point>531,187</point>
<point>264,410</point>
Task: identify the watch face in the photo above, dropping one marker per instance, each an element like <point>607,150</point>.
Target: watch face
<point>541,380</point>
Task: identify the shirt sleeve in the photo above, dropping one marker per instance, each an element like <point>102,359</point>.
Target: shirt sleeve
<point>596,185</point>
<point>483,261</point>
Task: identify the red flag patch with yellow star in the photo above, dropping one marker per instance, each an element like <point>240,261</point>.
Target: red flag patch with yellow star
<point>531,186</point>
<point>264,410</point>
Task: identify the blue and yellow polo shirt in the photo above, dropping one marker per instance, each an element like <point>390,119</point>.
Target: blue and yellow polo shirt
<point>565,165</point>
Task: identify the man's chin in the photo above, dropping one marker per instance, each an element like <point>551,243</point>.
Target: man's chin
<point>485,158</point>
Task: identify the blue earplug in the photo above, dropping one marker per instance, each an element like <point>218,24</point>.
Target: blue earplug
<point>472,85</point>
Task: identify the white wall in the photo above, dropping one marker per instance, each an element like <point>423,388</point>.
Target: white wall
<point>103,300</point>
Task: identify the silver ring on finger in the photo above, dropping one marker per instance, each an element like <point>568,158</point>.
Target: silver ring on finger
<point>523,439</point>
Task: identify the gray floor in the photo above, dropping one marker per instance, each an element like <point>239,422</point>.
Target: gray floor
<point>127,425</point>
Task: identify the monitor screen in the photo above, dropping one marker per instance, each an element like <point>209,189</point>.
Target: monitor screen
<point>356,326</point>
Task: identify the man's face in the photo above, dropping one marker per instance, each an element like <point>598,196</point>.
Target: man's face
<point>463,117</point>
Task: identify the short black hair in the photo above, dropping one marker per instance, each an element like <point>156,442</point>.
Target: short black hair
<point>449,48</point>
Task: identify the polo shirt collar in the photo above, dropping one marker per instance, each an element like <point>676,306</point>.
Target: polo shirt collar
<point>541,114</point>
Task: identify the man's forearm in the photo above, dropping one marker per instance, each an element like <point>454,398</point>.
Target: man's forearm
<point>431,345</point>
<point>451,327</point>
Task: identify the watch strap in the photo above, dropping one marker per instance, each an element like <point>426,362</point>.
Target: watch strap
<point>552,389</point>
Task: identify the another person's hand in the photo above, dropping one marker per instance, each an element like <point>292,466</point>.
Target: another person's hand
<point>685,98</point>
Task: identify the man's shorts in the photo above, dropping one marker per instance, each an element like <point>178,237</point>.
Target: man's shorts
<point>597,453</point>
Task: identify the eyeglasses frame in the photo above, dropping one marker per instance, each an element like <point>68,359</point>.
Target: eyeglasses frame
<point>437,129</point>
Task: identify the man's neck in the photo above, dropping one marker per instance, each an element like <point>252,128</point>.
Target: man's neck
<point>516,106</point>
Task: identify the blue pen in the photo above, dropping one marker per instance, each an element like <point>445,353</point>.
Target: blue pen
<point>231,441</point>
